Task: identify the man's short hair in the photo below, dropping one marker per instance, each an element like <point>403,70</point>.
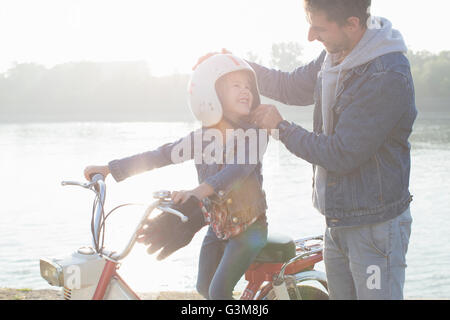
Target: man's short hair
<point>340,10</point>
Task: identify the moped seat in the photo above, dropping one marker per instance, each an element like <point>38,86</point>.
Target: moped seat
<point>279,249</point>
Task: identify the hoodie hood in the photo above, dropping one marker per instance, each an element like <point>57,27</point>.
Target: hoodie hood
<point>379,39</point>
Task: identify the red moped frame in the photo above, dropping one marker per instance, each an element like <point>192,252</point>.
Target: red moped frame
<point>256,275</point>
<point>110,272</point>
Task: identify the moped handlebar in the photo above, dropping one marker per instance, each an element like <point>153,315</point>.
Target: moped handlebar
<point>97,177</point>
<point>148,211</point>
<point>97,184</point>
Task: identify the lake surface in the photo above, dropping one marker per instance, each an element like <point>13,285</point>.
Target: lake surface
<point>39,217</point>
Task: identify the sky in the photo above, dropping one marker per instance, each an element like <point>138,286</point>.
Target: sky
<point>170,35</point>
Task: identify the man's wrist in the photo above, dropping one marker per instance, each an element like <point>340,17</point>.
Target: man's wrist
<point>283,124</point>
<point>281,128</point>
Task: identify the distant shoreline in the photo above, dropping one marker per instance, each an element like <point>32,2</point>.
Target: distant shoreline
<point>426,107</point>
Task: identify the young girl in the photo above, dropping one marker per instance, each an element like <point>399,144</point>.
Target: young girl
<point>223,91</point>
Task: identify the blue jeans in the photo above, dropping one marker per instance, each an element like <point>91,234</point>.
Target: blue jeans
<point>223,262</point>
<point>368,262</point>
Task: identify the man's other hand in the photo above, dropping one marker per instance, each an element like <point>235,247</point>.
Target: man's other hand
<point>209,55</point>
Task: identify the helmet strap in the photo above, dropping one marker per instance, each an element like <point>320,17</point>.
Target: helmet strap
<point>239,123</point>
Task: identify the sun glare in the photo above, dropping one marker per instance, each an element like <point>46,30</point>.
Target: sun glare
<point>170,35</point>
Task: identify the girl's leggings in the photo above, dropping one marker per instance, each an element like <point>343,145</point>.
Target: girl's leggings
<point>223,262</point>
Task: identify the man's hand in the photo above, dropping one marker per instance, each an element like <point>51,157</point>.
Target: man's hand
<point>266,117</point>
<point>209,55</point>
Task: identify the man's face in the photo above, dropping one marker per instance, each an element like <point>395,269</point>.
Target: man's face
<point>333,36</point>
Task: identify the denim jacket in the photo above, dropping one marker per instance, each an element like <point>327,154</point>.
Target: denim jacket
<point>368,155</point>
<point>238,183</point>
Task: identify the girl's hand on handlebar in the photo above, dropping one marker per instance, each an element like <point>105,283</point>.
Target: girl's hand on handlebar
<point>202,191</point>
<point>90,171</point>
<point>182,196</point>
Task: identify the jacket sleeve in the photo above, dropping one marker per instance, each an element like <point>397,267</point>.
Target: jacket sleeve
<point>291,88</point>
<point>362,128</point>
<point>233,174</point>
<point>170,153</point>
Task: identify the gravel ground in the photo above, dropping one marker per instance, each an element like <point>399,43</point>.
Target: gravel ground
<point>28,294</point>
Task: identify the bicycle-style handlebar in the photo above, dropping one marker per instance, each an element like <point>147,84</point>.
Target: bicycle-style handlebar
<point>97,184</point>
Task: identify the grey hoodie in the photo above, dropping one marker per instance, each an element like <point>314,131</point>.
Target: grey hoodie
<point>378,40</point>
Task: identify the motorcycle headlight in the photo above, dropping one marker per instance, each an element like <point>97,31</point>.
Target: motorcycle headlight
<point>52,272</point>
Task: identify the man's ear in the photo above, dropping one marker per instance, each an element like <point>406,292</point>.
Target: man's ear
<point>353,23</point>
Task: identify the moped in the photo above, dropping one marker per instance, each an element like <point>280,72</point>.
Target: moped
<point>283,270</point>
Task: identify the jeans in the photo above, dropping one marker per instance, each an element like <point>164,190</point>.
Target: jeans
<point>368,262</point>
<point>223,262</point>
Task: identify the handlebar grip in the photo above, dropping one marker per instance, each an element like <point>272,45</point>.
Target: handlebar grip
<point>177,213</point>
<point>96,177</point>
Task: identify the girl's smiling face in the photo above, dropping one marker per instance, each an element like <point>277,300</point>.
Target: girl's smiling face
<point>235,93</point>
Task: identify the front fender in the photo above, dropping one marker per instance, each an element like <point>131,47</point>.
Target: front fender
<point>312,275</point>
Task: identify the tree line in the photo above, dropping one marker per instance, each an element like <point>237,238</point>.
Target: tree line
<point>128,90</point>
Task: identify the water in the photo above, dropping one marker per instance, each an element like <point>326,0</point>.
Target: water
<point>39,217</point>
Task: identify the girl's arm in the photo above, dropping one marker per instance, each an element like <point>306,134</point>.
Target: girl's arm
<point>221,183</point>
<point>231,176</point>
<point>163,156</point>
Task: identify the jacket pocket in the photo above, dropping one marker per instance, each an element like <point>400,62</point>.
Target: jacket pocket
<point>380,184</point>
<point>335,197</point>
<point>342,102</point>
<point>369,187</point>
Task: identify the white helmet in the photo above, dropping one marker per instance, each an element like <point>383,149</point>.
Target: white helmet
<point>203,98</point>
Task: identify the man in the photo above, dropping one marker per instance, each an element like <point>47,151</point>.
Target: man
<point>363,93</point>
